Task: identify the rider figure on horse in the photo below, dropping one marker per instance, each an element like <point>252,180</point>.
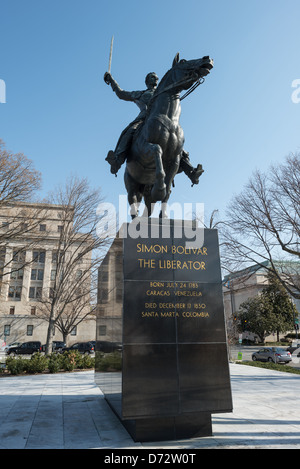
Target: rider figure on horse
<point>141,99</point>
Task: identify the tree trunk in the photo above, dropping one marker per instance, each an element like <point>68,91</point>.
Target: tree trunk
<point>65,335</point>
<point>50,335</point>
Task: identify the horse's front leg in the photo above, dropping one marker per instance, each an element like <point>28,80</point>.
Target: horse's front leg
<point>171,173</point>
<point>134,195</point>
<point>158,191</point>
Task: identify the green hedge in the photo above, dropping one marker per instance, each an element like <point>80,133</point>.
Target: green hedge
<point>39,363</point>
<point>108,361</point>
<point>271,366</point>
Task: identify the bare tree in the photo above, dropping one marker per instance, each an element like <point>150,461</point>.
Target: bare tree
<point>20,217</point>
<point>77,254</point>
<point>263,224</point>
<point>18,178</point>
<point>82,308</point>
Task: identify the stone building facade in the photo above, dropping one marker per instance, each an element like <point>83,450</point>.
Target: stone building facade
<point>110,296</point>
<point>28,256</point>
<point>241,285</point>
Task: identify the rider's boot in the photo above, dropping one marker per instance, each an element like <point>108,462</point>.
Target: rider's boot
<point>196,173</point>
<point>115,160</point>
<point>192,173</point>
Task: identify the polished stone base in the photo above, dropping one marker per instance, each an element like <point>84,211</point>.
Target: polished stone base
<point>170,428</point>
<point>161,312</point>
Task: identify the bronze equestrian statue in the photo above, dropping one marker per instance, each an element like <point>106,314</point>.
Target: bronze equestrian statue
<point>153,143</point>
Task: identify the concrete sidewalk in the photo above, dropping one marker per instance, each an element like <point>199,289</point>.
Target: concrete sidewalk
<point>68,411</point>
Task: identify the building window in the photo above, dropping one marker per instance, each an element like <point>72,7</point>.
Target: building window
<point>17,274</point>
<point>7,330</point>
<point>78,274</point>
<point>18,255</point>
<point>42,227</point>
<point>37,274</point>
<point>74,331</point>
<point>52,275</point>
<point>104,276</point>
<point>56,257</point>
<point>104,294</point>
<point>33,310</point>
<point>35,292</point>
<point>118,276</point>
<point>39,256</point>
<point>119,259</point>
<point>30,330</point>
<point>119,295</point>
<point>102,330</point>
<point>2,254</point>
<point>12,310</point>
<point>14,292</point>
<point>60,228</point>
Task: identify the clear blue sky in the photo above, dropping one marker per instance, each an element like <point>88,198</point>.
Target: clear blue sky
<point>62,115</point>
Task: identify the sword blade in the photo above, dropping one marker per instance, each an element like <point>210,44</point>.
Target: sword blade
<point>110,54</point>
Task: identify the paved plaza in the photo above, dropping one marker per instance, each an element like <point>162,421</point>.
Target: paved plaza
<point>68,411</point>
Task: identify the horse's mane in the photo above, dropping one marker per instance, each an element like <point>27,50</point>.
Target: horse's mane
<point>157,91</point>
<point>161,83</point>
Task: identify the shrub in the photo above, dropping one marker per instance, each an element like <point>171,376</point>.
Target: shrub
<point>109,362</point>
<point>78,360</point>
<point>271,366</point>
<point>70,360</point>
<point>37,363</point>
<point>88,361</point>
<point>15,366</point>
<point>55,363</point>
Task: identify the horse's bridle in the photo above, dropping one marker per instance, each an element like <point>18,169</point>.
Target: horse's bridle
<point>198,82</point>
<point>193,87</point>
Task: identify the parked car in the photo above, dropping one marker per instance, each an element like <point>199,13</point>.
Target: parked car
<point>292,349</point>
<point>13,344</point>
<point>272,354</point>
<point>81,347</point>
<point>27,348</point>
<point>108,347</point>
<point>57,346</point>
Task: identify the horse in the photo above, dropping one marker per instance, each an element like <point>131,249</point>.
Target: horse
<point>154,155</point>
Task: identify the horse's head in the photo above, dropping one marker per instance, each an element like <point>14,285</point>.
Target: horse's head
<point>187,72</point>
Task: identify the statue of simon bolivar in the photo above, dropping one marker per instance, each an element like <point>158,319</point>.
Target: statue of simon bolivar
<point>141,99</point>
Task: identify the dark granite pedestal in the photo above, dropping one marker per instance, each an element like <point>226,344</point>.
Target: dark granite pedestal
<point>161,315</point>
